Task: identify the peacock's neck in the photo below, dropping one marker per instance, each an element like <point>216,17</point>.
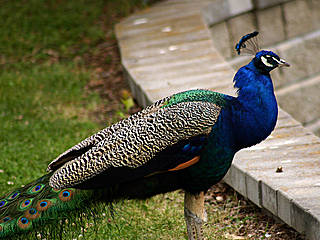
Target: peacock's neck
<point>255,110</point>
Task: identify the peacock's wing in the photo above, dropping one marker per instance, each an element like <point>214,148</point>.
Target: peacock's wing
<point>88,143</point>
<point>134,142</point>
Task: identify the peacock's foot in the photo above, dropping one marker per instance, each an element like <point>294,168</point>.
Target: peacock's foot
<point>195,215</point>
<point>194,225</point>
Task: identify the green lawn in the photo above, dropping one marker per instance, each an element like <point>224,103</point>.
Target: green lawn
<point>45,107</point>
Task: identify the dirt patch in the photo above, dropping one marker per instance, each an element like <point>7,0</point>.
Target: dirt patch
<point>108,80</point>
<point>109,83</point>
<point>251,222</point>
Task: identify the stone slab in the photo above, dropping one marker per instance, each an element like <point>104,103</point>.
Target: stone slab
<point>179,52</point>
<point>314,127</point>
<point>303,55</point>
<point>294,52</point>
<point>253,189</point>
<point>237,179</point>
<point>260,4</point>
<point>312,43</point>
<point>269,198</point>
<point>315,16</point>
<point>221,39</point>
<point>183,70</point>
<point>221,10</point>
<point>304,221</point>
<point>270,25</point>
<point>284,207</point>
<point>298,17</point>
<point>306,107</point>
<point>170,31</point>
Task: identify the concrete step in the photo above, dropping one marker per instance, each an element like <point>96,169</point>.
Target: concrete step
<point>306,105</point>
<point>166,49</point>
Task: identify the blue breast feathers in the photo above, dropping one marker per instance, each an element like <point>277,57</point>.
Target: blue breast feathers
<point>194,146</point>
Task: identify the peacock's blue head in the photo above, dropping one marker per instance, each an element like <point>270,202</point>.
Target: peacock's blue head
<point>265,61</point>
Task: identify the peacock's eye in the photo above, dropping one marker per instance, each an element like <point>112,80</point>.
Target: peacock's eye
<point>267,60</point>
<point>36,189</point>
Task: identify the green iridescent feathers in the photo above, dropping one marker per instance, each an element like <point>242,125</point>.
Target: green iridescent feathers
<point>35,204</point>
<point>195,96</point>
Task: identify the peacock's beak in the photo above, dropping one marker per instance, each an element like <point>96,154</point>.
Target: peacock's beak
<point>283,63</point>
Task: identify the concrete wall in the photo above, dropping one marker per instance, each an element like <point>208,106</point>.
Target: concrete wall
<point>291,29</point>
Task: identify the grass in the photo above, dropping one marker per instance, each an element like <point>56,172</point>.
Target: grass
<point>41,94</point>
<point>43,102</point>
<point>46,106</point>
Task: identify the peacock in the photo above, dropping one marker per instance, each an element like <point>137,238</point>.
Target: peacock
<point>184,141</point>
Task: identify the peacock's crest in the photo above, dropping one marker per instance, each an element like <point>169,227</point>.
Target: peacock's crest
<point>249,44</point>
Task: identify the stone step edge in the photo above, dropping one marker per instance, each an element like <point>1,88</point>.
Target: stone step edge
<point>288,209</point>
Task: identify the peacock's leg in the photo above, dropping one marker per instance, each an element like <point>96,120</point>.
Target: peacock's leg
<point>194,214</point>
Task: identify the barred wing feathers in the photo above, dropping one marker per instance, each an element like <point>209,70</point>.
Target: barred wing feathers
<point>93,140</point>
<point>133,142</point>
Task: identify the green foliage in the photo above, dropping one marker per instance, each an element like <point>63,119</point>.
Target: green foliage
<point>128,103</point>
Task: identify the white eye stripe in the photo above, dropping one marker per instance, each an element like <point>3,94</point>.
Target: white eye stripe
<point>279,62</point>
<point>265,62</point>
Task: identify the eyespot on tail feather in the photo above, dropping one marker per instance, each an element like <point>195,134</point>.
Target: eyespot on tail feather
<point>43,205</point>
<point>32,213</point>
<point>37,188</point>
<point>24,223</point>
<point>26,203</point>
<point>65,195</point>
<point>5,219</point>
<point>14,195</point>
<point>3,202</point>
